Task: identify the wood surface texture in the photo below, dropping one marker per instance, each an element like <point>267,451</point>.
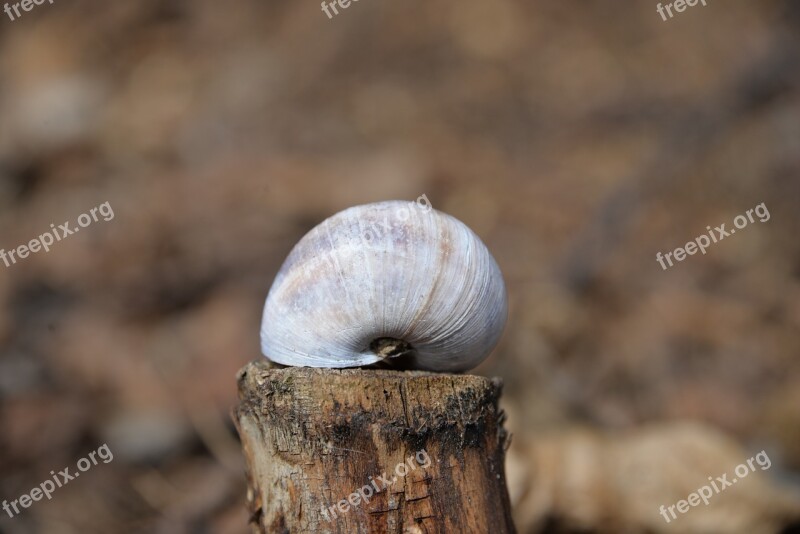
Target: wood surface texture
<point>316,438</point>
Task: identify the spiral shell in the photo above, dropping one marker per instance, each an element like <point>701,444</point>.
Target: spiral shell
<point>392,281</point>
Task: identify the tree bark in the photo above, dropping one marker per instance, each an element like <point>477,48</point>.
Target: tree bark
<point>372,451</point>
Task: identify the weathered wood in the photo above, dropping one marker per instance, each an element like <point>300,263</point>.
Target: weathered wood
<point>316,438</point>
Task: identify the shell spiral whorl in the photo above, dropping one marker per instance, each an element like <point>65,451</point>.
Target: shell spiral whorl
<point>390,281</point>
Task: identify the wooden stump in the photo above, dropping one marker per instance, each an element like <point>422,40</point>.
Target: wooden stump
<point>372,451</point>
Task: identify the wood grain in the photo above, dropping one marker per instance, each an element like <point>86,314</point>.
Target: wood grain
<point>313,438</point>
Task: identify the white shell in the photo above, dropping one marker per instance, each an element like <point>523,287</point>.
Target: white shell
<point>393,269</point>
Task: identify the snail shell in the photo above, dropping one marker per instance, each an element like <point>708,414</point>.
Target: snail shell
<point>392,281</point>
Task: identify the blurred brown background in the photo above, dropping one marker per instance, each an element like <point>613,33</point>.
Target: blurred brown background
<point>576,138</point>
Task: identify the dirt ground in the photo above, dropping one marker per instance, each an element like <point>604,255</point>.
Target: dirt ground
<point>577,139</point>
